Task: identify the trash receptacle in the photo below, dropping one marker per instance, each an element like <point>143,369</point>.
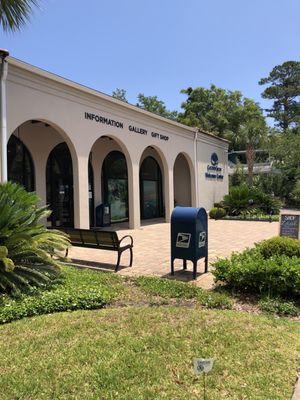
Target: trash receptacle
<point>103,217</point>
<point>189,237</point>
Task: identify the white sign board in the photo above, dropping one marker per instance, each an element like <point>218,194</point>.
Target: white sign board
<point>183,240</point>
<point>203,365</point>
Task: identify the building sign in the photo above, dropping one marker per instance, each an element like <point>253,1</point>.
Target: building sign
<point>108,121</point>
<point>289,225</point>
<point>103,120</point>
<point>213,170</point>
<point>143,131</point>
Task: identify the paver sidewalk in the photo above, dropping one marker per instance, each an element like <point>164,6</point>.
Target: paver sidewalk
<point>152,248</point>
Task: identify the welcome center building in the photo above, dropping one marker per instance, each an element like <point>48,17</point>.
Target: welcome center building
<point>78,148</point>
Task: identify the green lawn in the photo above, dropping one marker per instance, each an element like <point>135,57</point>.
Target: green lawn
<point>142,346</point>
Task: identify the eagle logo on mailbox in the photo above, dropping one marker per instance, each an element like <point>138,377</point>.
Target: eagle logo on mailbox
<point>183,240</point>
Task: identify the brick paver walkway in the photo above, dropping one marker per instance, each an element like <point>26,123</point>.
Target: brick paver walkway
<point>152,248</point>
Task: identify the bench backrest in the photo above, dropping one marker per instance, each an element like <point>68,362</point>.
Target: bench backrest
<point>93,238</point>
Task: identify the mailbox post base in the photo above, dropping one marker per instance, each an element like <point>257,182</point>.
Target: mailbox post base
<point>206,264</point>
<point>195,270</point>
<point>172,267</point>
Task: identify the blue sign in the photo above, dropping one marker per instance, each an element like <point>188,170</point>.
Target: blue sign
<point>214,159</point>
<point>213,170</point>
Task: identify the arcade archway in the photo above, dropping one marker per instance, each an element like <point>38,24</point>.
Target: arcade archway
<point>59,186</point>
<point>151,192</point>
<point>182,182</point>
<point>20,164</point>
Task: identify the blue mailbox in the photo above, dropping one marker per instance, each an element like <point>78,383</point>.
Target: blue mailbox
<point>189,237</point>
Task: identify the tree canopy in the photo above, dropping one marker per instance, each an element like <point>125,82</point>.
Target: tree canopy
<point>120,94</point>
<point>284,89</point>
<point>153,104</point>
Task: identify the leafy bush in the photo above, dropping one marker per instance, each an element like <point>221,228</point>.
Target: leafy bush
<point>167,288</point>
<point>250,271</point>
<point>265,202</point>
<point>237,200</point>
<point>278,306</point>
<point>279,246</point>
<point>243,200</point>
<point>74,290</point>
<point>217,213</point>
<point>26,247</point>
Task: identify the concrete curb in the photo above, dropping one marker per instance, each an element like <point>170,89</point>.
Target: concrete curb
<point>296,394</point>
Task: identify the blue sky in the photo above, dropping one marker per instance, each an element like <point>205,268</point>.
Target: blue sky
<point>159,47</point>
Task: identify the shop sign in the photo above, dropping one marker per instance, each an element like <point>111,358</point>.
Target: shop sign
<point>289,225</point>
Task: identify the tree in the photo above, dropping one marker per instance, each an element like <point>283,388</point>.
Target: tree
<point>152,104</point>
<point>214,110</point>
<point>285,149</point>
<point>251,134</point>
<point>284,89</point>
<point>15,13</point>
<point>120,94</point>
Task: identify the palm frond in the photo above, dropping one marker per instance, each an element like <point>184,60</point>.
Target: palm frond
<point>15,13</point>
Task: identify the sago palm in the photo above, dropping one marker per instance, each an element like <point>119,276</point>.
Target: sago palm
<point>15,13</point>
<point>29,253</point>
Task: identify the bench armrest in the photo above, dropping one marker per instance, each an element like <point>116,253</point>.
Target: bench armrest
<point>125,237</point>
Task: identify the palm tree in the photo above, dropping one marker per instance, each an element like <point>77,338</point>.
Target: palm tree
<point>15,13</point>
<point>252,135</point>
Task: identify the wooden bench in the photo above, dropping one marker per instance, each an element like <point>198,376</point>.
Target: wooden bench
<point>96,239</point>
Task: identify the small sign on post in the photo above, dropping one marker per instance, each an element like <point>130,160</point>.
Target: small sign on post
<point>203,365</point>
<point>290,223</point>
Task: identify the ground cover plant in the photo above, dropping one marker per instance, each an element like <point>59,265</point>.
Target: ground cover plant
<point>146,353</point>
<point>73,290</point>
<point>29,253</point>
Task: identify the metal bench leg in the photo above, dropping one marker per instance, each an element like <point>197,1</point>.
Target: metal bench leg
<point>131,257</point>
<point>184,264</point>
<point>118,261</point>
<point>67,252</point>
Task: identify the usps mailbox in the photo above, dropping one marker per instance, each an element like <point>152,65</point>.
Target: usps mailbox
<point>189,236</point>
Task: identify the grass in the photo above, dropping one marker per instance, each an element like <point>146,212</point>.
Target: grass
<point>167,289</point>
<point>141,347</point>
<point>146,353</point>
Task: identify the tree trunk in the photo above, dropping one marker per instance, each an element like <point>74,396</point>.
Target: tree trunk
<point>250,155</point>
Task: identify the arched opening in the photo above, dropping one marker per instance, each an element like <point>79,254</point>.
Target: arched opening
<point>182,182</point>
<point>59,186</point>
<point>115,185</point>
<point>19,164</point>
<point>151,194</point>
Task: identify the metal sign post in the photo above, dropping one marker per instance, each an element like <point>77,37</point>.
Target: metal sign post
<point>203,365</point>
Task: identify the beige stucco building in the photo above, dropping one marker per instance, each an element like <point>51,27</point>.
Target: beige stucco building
<point>78,148</point>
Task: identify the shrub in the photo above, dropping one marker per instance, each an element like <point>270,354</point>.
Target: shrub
<point>243,200</point>
<point>237,200</point>
<point>217,213</point>
<point>278,306</point>
<point>265,202</point>
<point>26,247</point>
<point>250,272</point>
<point>279,246</point>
